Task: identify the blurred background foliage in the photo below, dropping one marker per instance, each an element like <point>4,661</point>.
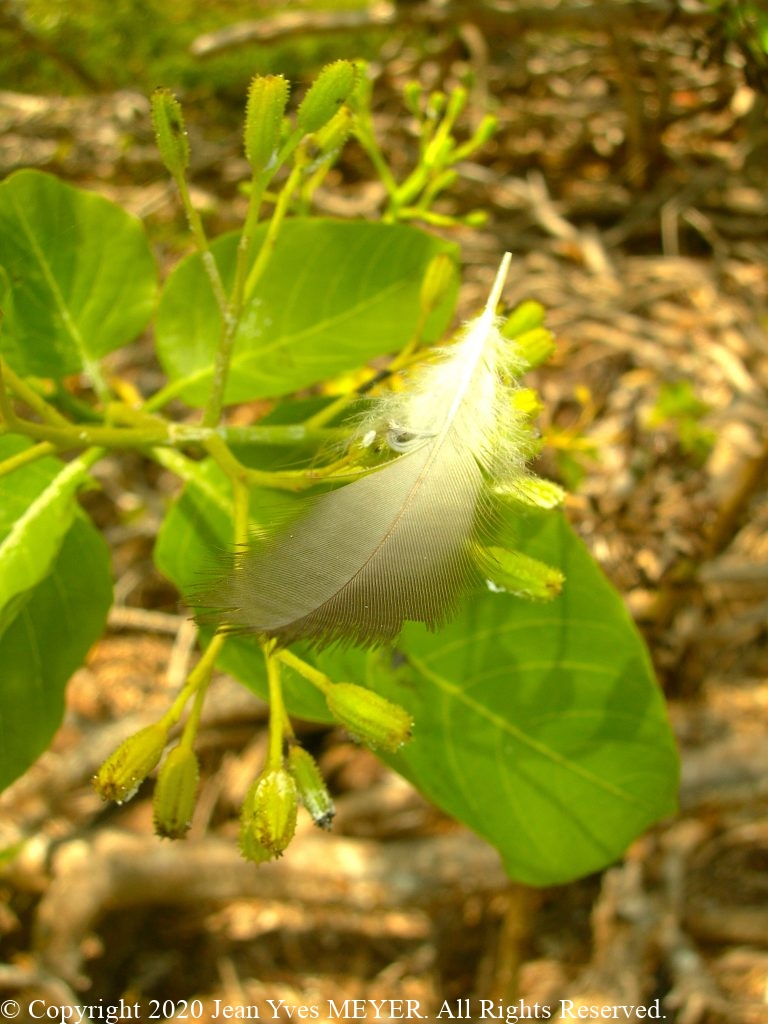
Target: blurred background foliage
<point>54,46</point>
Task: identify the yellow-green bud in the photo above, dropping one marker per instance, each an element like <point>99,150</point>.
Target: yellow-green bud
<point>436,103</point>
<point>412,93</point>
<point>438,281</point>
<point>516,573</point>
<point>369,717</point>
<point>457,101</point>
<point>475,218</point>
<point>360,97</point>
<point>438,153</point>
<point>528,316</point>
<point>267,99</point>
<point>170,131</point>
<point>313,792</point>
<point>332,136</point>
<point>175,793</point>
<point>124,770</point>
<point>536,346</point>
<point>535,492</point>
<point>326,94</point>
<point>269,812</point>
<point>485,131</point>
<point>250,848</point>
<point>527,401</point>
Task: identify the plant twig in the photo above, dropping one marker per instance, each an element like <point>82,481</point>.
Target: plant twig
<point>25,457</point>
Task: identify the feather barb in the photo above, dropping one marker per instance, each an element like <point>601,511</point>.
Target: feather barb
<point>401,542</point>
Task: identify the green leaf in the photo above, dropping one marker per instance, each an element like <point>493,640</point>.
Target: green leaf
<point>44,644</point>
<point>334,294</point>
<point>81,271</point>
<point>37,507</point>
<point>540,726</point>
<point>196,532</point>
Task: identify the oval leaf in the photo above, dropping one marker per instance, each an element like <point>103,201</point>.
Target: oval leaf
<point>37,507</point>
<point>540,726</point>
<point>81,272</point>
<point>334,294</point>
<point>46,641</point>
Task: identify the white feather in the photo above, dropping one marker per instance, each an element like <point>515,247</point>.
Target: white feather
<point>399,543</point>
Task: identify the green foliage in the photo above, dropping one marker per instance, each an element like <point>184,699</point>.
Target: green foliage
<point>333,296</point>
<point>678,407</point>
<point>743,24</point>
<point>55,593</point>
<point>80,271</point>
<point>42,45</point>
<point>537,723</point>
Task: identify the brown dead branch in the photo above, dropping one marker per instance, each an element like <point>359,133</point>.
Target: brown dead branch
<point>115,869</point>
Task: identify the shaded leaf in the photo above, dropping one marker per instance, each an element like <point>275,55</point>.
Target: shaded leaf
<point>46,641</point>
<point>80,270</point>
<point>333,295</point>
<point>37,507</point>
<point>540,726</point>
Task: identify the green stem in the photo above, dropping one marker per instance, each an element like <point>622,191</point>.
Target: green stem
<point>332,410</point>
<point>242,291</point>
<point>232,309</point>
<point>240,477</point>
<point>244,476</point>
<point>367,139</point>
<point>273,229</point>
<point>192,723</point>
<point>198,678</point>
<point>288,434</point>
<point>201,241</point>
<point>307,671</point>
<point>23,458</point>
<point>258,185</point>
<point>76,436</point>
<point>407,355</point>
<point>155,432</point>
<point>278,717</point>
<point>165,395</point>
<point>28,395</point>
<point>7,412</point>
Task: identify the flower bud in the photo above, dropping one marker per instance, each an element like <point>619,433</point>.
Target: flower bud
<point>124,770</point>
<point>250,847</point>
<point>475,219</point>
<point>438,281</point>
<point>369,717</point>
<point>527,402</point>
<point>313,792</point>
<point>267,99</point>
<point>170,131</point>
<point>268,817</point>
<point>485,131</point>
<point>527,316</point>
<point>518,574</point>
<point>535,492</point>
<point>536,346</point>
<point>436,103</point>
<point>439,151</point>
<point>326,94</point>
<point>175,793</point>
<point>412,93</point>
<point>332,136</point>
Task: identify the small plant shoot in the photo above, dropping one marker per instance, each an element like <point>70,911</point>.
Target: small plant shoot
<point>395,566</point>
